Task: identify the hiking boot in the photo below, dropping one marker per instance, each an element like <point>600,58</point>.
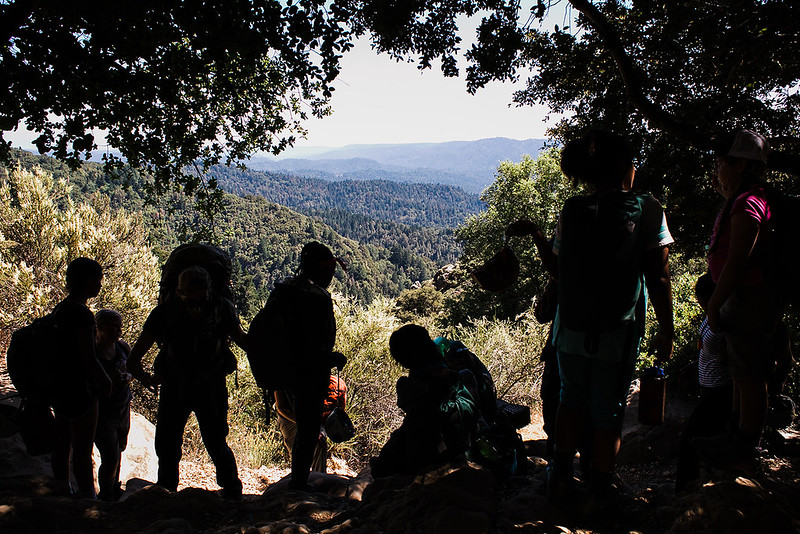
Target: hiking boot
<point>231,493</point>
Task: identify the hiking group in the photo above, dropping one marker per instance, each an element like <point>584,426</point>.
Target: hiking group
<point>609,257</point>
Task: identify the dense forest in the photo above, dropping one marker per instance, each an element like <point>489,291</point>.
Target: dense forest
<point>408,203</point>
<point>264,238</point>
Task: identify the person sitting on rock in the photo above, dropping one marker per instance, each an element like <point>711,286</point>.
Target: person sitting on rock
<point>440,413</point>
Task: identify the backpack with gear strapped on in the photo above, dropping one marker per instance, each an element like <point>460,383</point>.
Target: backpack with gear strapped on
<point>213,259</point>
<point>600,282</point>
<point>217,264</point>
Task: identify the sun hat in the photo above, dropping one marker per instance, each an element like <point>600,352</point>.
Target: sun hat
<point>749,145</point>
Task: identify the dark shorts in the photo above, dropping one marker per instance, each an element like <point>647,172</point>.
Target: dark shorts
<point>599,384</point>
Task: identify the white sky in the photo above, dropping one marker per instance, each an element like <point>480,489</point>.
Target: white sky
<point>378,100</point>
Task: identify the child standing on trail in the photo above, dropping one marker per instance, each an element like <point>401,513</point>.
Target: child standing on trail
<point>608,246</point>
<point>114,417</point>
<point>712,414</point>
<point>81,378</point>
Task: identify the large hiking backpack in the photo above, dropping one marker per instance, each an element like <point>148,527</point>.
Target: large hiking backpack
<point>214,260</point>
<point>32,357</point>
<point>600,286</point>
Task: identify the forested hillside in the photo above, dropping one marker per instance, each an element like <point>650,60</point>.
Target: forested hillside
<point>408,203</point>
<point>264,238</point>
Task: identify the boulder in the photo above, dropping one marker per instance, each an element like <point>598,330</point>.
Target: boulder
<point>139,459</point>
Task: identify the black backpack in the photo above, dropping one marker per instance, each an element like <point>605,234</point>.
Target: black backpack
<point>270,338</point>
<point>784,252</point>
<point>600,285</point>
<point>190,353</point>
<point>32,358</point>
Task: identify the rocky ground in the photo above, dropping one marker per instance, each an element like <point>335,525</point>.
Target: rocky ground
<point>455,499</point>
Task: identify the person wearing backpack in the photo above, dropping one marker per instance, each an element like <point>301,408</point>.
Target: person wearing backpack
<point>80,378</point>
<point>748,302</point>
<point>609,245</point>
<point>441,415</point>
<point>114,414</point>
<point>290,348</point>
<point>193,328</point>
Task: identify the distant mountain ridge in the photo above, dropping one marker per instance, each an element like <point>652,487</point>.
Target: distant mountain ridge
<point>467,164</point>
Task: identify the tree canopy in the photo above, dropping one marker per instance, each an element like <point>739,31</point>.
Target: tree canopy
<point>683,68</point>
<point>173,83</point>
<point>178,83</point>
<point>668,75</point>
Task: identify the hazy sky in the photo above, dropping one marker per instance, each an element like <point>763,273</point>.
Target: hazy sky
<point>378,100</point>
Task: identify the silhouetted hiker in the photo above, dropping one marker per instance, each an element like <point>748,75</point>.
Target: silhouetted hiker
<point>747,304</point>
<point>284,406</point>
<point>290,349</point>
<point>114,415</point>
<point>193,328</point>
<point>81,379</point>
<point>440,413</point>
<point>711,416</point>
<point>608,245</point>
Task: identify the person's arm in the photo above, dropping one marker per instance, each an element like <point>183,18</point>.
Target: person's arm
<point>542,243</point>
<point>744,233</point>
<point>659,287</point>
<point>140,348</point>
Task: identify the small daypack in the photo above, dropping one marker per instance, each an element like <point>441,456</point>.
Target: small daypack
<point>32,358</point>
<point>784,253</point>
<point>600,283</point>
<point>271,336</point>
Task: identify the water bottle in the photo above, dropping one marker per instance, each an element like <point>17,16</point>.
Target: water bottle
<point>652,393</point>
